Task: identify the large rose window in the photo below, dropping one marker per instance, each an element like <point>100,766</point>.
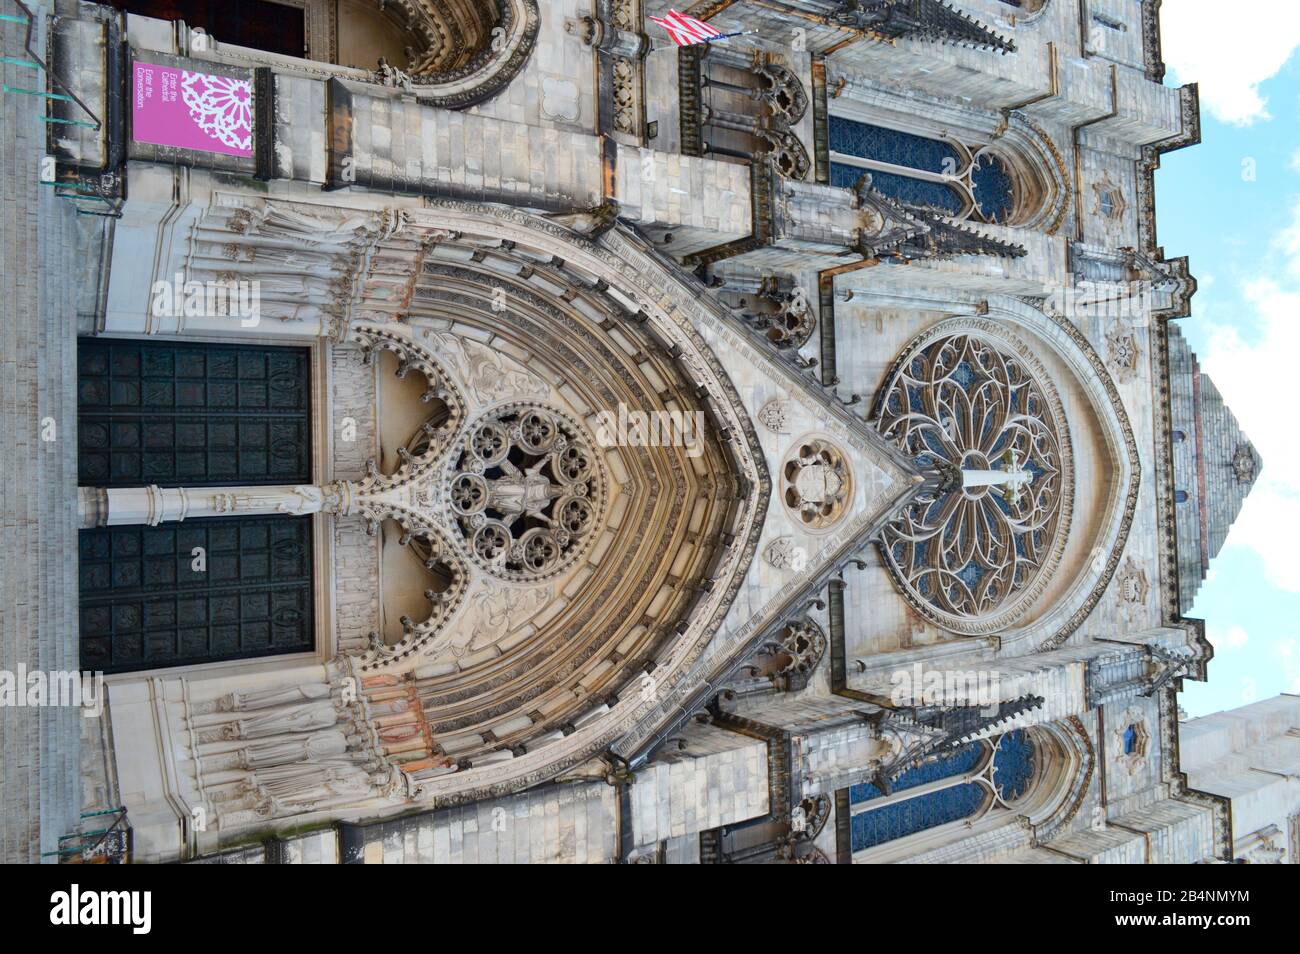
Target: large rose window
<point>984,425</point>
<point>525,491</point>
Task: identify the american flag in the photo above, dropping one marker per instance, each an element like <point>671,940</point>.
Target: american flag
<point>686,31</point>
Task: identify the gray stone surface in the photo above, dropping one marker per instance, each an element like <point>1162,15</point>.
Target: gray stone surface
<point>40,771</point>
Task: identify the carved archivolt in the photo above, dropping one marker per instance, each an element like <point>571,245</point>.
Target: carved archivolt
<point>508,679</point>
<point>1041,179</point>
<point>467,50</point>
<point>984,419</point>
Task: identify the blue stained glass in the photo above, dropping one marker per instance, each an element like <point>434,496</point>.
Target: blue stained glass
<point>963,760</point>
<point>1013,764</point>
<point>992,185</point>
<point>900,819</point>
<point>1130,740</point>
<point>905,189</point>
<point>891,145</point>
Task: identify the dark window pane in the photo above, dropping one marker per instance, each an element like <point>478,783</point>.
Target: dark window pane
<point>143,605</point>
<point>196,415</point>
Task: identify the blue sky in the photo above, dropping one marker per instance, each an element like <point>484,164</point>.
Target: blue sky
<point>1233,205</point>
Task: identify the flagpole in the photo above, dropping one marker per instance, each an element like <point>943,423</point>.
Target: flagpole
<point>655,41</point>
<point>728,36</point>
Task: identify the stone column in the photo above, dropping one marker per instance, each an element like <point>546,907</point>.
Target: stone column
<point>153,505</point>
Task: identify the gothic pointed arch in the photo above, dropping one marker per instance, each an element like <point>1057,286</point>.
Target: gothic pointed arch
<point>542,554</point>
<point>1023,520</point>
<point>460,52</point>
<point>1010,173</point>
<point>1033,777</point>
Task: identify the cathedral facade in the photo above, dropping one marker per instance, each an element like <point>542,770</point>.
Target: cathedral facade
<point>505,435</point>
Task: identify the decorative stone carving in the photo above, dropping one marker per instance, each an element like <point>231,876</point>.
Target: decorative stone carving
<point>783,554</point>
<point>1245,465</point>
<point>430,442</point>
<point>626,101</point>
<point>984,421</point>
<point>1130,740</point>
<point>796,655</point>
<point>1108,199</point>
<point>391,76</point>
<point>781,313</point>
<point>816,484</point>
<point>809,817</point>
<point>1131,583</point>
<point>493,612</point>
<point>489,375</point>
<point>525,492</point>
<point>775,416</point>
<point>1267,846</point>
<point>462,54</point>
<point>1123,351</point>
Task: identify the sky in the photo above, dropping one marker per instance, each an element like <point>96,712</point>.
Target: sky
<point>1233,205</point>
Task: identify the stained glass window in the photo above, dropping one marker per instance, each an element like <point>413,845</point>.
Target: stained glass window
<point>991,184</point>
<point>989,178</point>
<point>900,819</point>
<point>961,762</point>
<point>1130,740</point>
<point>1013,765</point>
<point>1010,772</point>
<point>892,146</point>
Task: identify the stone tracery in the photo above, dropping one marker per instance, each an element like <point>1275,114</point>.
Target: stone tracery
<point>525,492</point>
<point>817,484</point>
<point>491,673</point>
<point>984,422</point>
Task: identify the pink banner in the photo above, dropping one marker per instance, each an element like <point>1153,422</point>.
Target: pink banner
<point>173,107</point>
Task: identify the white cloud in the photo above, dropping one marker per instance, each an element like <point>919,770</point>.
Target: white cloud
<point>1229,55</point>
<point>1234,637</point>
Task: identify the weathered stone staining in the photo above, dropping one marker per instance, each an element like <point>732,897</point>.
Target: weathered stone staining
<point>651,438</point>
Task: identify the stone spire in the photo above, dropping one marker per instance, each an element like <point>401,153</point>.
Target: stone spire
<point>943,238</point>
<point>918,20</point>
<point>1215,466</point>
<point>913,231</point>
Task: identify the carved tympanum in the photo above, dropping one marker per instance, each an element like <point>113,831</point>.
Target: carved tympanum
<point>525,491</point>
